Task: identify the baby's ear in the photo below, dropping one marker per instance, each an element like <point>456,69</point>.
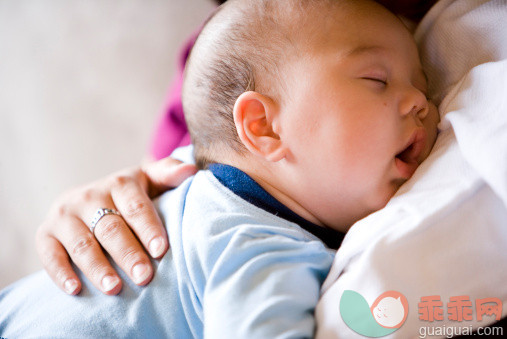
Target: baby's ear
<point>254,116</point>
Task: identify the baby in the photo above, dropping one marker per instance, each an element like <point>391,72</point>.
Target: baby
<point>306,116</point>
<point>322,103</point>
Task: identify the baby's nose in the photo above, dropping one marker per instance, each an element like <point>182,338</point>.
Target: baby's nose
<point>414,102</point>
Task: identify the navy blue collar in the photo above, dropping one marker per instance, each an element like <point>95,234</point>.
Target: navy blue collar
<point>245,187</point>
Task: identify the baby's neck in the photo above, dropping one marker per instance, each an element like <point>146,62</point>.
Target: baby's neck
<point>274,184</point>
<point>272,187</point>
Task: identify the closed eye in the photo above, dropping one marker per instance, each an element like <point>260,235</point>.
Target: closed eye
<point>379,80</point>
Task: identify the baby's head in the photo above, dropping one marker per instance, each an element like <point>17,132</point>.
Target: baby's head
<point>321,101</point>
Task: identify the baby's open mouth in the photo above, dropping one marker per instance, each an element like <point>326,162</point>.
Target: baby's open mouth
<point>407,160</point>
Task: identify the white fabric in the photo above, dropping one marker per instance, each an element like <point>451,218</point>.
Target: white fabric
<point>445,231</point>
<point>185,154</point>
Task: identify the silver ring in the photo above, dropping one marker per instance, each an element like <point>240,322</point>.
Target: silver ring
<point>99,214</point>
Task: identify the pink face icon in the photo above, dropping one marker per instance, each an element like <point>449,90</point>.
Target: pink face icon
<point>390,309</point>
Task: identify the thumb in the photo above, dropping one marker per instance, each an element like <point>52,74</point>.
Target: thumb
<point>165,174</point>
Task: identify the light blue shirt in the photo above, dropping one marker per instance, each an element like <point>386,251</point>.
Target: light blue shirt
<point>235,270</point>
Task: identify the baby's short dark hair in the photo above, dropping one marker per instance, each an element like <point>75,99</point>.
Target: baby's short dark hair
<point>242,47</point>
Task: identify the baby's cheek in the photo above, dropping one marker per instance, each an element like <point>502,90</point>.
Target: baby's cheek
<point>430,123</point>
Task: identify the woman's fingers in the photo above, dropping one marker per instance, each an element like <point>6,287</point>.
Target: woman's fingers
<point>77,241</point>
<point>56,262</point>
<point>121,244</point>
<point>138,211</point>
<point>87,254</point>
<point>65,235</point>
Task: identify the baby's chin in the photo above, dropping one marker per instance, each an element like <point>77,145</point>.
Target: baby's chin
<point>375,200</point>
<point>379,199</point>
<point>384,195</point>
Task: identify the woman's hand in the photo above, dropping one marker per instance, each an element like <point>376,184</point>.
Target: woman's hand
<point>65,232</point>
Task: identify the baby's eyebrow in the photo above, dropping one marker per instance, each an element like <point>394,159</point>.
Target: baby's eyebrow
<point>366,49</point>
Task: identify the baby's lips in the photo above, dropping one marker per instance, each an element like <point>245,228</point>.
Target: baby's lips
<point>420,142</point>
<point>406,169</point>
<point>408,160</point>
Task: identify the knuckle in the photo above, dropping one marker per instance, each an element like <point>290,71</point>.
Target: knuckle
<point>136,173</point>
<point>131,256</point>
<point>49,260</point>
<point>82,245</point>
<point>68,201</point>
<point>108,228</point>
<point>121,180</point>
<point>89,194</point>
<point>149,232</point>
<point>135,208</point>
<point>59,273</point>
<point>59,210</point>
<point>95,271</point>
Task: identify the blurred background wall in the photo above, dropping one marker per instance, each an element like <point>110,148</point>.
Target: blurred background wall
<point>81,85</point>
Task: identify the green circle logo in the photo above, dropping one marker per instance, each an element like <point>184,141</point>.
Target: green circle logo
<point>386,314</point>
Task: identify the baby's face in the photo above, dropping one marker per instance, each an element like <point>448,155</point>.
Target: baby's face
<point>357,122</point>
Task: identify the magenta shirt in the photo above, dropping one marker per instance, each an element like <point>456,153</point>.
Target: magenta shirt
<point>171,129</point>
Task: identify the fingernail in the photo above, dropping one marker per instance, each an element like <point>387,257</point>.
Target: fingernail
<point>156,247</point>
<point>140,273</point>
<point>70,286</point>
<point>109,282</point>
